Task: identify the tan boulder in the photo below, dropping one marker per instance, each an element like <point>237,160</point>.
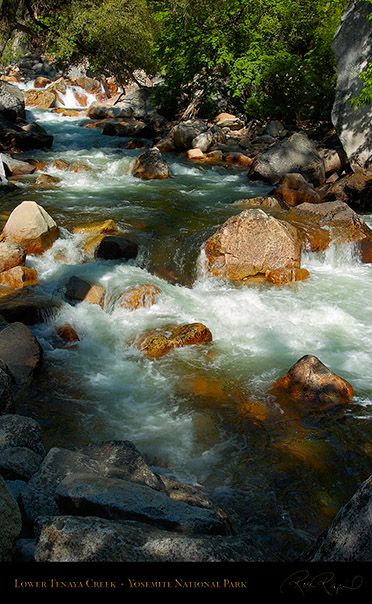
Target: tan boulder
<point>41,82</point>
<point>310,381</point>
<point>158,342</point>
<point>18,276</point>
<point>294,190</point>
<point>331,221</point>
<point>227,120</point>
<point>58,86</point>
<point>140,296</point>
<point>248,245</point>
<point>195,154</point>
<point>40,99</point>
<point>32,227</point>
<point>78,166</point>
<point>58,164</point>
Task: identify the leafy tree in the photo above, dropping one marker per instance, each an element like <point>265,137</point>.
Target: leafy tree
<point>268,56</point>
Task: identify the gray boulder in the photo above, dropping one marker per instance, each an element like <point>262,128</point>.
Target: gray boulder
<point>19,463</point>
<point>10,524</point>
<point>118,499</point>
<point>352,45</point>
<point>349,536</point>
<point>297,154</point>
<point>150,165</point>
<point>115,459</point>
<point>185,132</point>
<point>6,398</point>
<point>21,431</point>
<point>92,539</point>
<point>12,105</point>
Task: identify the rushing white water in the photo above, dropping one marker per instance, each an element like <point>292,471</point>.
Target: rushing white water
<point>203,413</point>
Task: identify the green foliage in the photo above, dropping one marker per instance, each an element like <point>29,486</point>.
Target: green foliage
<point>268,56</point>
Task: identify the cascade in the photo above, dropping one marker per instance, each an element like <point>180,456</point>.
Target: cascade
<point>205,415</point>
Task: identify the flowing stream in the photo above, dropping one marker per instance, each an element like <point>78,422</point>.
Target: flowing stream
<point>204,414</point>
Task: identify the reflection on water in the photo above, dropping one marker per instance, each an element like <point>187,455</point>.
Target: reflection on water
<point>204,414</point>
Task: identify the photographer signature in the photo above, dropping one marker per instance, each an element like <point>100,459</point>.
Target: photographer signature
<point>303,582</point>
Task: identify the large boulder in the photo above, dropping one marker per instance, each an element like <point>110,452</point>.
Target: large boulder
<point>151,165</point>
<point>352,45</point>
<point>296,154</point>
<point>331,221</point>
<point>12,104</point>
<point>10,525</point>
<point>185,132</point>
<point>32,227</point>
<point>349,536</point>
<point>310,381</point>
<point>40,99</point>
<point>248,245</point>
<point>118,499</point>
<point>92,539</point>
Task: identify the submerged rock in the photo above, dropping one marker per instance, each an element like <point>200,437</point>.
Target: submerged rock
<point>248,245</point>
<point>310,381</point>
<point>20,351</point>
<point>150,165</point>
<point>112,247</point>
<point>107,226</point>
<point>46,181</point>
<point>32,227</point>
<point>67,333</point>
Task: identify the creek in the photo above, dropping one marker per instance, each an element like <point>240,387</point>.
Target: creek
<point>203,414</point>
